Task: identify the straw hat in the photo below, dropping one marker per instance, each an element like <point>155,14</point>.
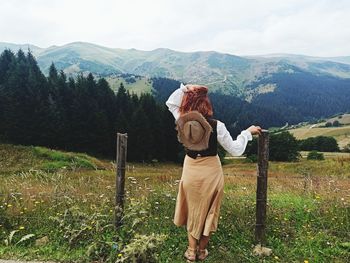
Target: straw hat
<point>193,131</point>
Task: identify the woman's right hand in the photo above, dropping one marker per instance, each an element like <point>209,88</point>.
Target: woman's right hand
<point>254,130</point>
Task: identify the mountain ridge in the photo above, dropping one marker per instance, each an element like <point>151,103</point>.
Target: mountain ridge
<point>274,81</point>
<point>268,55</point>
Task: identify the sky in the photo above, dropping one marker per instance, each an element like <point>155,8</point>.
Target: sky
<point>240,27</point>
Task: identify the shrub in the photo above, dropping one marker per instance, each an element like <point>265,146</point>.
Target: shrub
<point>319,143</point>
<point>336,123</point>
<point>346,148</point>
<point>283,146</point>
<point>315,155</point>
<point>142,248</point>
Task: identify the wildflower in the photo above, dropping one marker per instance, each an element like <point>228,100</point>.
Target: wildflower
<point>21,228</point>
<point>306,261</point>
<point>119,255</point>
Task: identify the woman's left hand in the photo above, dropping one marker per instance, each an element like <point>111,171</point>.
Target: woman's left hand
<point>254,129</point>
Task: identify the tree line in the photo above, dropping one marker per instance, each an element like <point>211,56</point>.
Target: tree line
<point>79,114</point>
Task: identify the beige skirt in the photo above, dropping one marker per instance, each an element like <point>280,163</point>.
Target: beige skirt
<point>200,193</point>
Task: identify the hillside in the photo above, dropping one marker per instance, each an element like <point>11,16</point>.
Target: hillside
<point>17,158</point>
<point>341,134</point>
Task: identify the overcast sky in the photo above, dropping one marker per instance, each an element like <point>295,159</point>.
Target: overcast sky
<point>241,27</point>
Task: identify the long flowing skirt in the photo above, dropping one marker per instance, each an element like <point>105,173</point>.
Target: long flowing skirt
<point>200,194</point>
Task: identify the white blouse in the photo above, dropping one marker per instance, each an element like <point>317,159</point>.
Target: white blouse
<point>234,147</point>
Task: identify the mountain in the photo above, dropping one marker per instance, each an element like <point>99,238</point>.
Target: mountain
<point>279,88</point>
<point>24,47</point>
<point>229,74</point>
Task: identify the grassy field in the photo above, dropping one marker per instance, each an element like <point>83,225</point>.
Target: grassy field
<point>341,134</point>
<point>67,199</point>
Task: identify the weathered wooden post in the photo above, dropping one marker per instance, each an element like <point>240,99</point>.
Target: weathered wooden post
<point>261,191</point>
<point>122,140</point>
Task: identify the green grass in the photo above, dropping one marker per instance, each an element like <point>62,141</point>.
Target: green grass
<point>308,212</point>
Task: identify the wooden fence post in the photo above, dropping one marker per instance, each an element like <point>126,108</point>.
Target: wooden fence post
<point>122,140</point>
<point>261,191</point>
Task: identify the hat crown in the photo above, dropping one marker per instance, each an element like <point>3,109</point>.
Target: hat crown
<point>193,131</point>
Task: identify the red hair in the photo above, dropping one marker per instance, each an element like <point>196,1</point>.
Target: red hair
<point>196,99</point>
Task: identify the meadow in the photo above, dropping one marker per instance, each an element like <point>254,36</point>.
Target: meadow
<point>341,133</point>
<point>60,206</point>
<point>141,85</point>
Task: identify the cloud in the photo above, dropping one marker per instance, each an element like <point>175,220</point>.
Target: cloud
<point>320,28</point>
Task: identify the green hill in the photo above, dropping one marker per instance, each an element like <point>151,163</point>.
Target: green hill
<point>17,158</point>
<point>341,133</point>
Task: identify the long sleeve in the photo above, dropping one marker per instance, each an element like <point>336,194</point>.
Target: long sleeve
<point>234,147</point>
<point>174,101</point>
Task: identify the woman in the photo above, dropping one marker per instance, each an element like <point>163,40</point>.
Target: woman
<point>202,182</point>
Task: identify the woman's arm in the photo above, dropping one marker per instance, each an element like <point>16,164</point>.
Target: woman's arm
<point>174,101</point>
<point>234,147</point>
